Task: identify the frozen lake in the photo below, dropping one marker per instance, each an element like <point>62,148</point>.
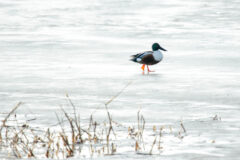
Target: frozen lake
<point>50,48</point>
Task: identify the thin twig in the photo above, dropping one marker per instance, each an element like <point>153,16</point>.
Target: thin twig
<point>115,96</point>
<point>9,114</point>
<point>184,130</point>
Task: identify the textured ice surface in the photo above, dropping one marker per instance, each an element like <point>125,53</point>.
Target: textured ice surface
<point>50,48</point>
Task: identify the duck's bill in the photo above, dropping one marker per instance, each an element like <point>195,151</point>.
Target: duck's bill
<point>162,49</point>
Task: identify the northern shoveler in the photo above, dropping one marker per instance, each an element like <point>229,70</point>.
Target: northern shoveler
<point>149,57</point>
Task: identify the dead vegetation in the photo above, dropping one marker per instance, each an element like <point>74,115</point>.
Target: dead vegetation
<point>72,138</point>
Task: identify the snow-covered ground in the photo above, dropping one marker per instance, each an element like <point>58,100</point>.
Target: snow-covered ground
<point>49,48</point>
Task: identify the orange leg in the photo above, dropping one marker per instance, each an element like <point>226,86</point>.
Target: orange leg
<point>143,67</point>
<point>149,69</point>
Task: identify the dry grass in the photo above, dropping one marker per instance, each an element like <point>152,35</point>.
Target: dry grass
<point>75,139</point>
<point>98,139</point>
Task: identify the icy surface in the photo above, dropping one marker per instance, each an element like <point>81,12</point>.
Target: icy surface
<point>50,48</point>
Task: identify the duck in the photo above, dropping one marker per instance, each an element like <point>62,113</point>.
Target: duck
<point>149,57</point>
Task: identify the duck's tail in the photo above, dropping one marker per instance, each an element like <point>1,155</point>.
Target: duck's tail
<point>134,58</point>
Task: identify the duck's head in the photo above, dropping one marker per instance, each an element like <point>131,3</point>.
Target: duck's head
<point>156,46</point>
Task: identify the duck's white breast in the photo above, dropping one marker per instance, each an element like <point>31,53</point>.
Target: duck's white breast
<point>158,56</point>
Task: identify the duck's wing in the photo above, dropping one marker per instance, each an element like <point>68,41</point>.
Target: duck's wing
<point>148,59</point>
<point>140,56</point>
